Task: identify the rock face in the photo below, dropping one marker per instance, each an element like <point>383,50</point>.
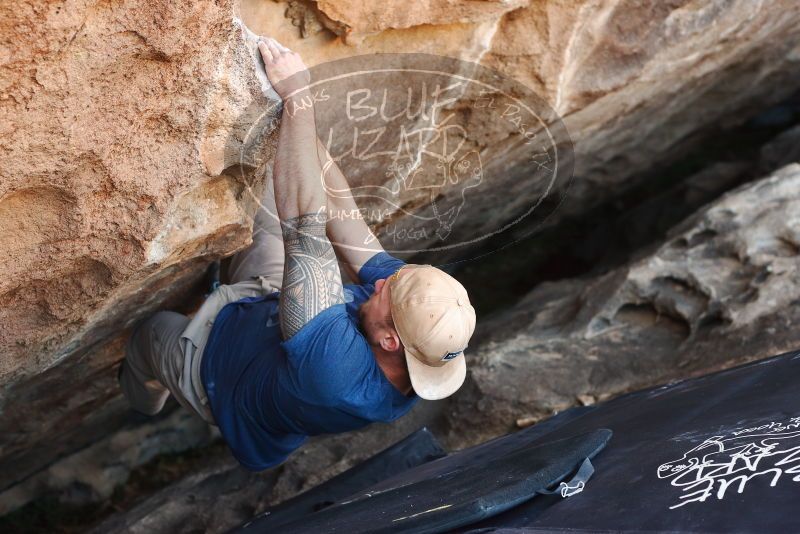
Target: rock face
<point>117,122</point>
<point>111,174</point>
<point>113,197</point>
<point>723,289</point>
<point>92,474</point>
<point>636,83</point>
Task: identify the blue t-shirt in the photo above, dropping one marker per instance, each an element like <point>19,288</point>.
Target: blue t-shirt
<point>268,395</point>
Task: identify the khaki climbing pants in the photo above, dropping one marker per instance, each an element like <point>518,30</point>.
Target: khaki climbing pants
<point>164,352</point>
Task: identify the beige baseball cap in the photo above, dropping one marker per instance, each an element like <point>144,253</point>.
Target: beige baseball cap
<point>434,320</point>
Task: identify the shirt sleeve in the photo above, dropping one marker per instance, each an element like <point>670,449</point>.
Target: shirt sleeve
<point>381,265</point>
<point>331,361</point>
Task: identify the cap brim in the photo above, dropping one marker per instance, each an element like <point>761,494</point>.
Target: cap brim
<point>434,383</point>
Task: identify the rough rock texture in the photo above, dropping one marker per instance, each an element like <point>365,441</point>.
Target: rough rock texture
<point>355,20</point>
<point>116,120</point>
<point>111,165</point>
<point>723,289</point>
<point>636,83</point>
<point>92,474</point>
<point>113,196</point>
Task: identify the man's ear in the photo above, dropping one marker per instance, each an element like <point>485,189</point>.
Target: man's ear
<point>390,341</point>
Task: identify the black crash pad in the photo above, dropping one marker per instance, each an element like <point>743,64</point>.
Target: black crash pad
<point>416,449</point>
<point>720,453</point>
<point>455,490</point>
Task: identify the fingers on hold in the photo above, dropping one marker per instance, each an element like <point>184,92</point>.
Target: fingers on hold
<point>273,48</point>
<point>265,52</point>
<point>277,45</point>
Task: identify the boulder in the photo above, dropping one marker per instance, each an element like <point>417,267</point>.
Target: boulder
<point>113,198</point>
<point>92,474</point>
<point>636,84</point>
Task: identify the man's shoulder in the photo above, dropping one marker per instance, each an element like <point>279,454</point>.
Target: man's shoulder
<point>330,355</point>
<point>331,330</point>
<point>381,265</point>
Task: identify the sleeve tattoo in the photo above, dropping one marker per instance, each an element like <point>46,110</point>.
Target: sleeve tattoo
<point>311,278</point>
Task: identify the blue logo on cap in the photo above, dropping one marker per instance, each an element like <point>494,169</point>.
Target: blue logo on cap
<point>451,355</point>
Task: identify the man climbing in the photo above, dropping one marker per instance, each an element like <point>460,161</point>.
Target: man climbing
<point>284,350</point>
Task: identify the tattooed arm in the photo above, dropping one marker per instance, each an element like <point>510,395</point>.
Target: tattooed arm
<point>311,278</point>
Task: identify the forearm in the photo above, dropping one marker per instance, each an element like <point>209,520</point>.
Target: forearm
<point>297,173</point>
<point>311,279</point>
<point>348,231</point>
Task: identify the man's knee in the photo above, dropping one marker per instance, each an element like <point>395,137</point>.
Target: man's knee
<point>145,374</point>
<point>151,338</point>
